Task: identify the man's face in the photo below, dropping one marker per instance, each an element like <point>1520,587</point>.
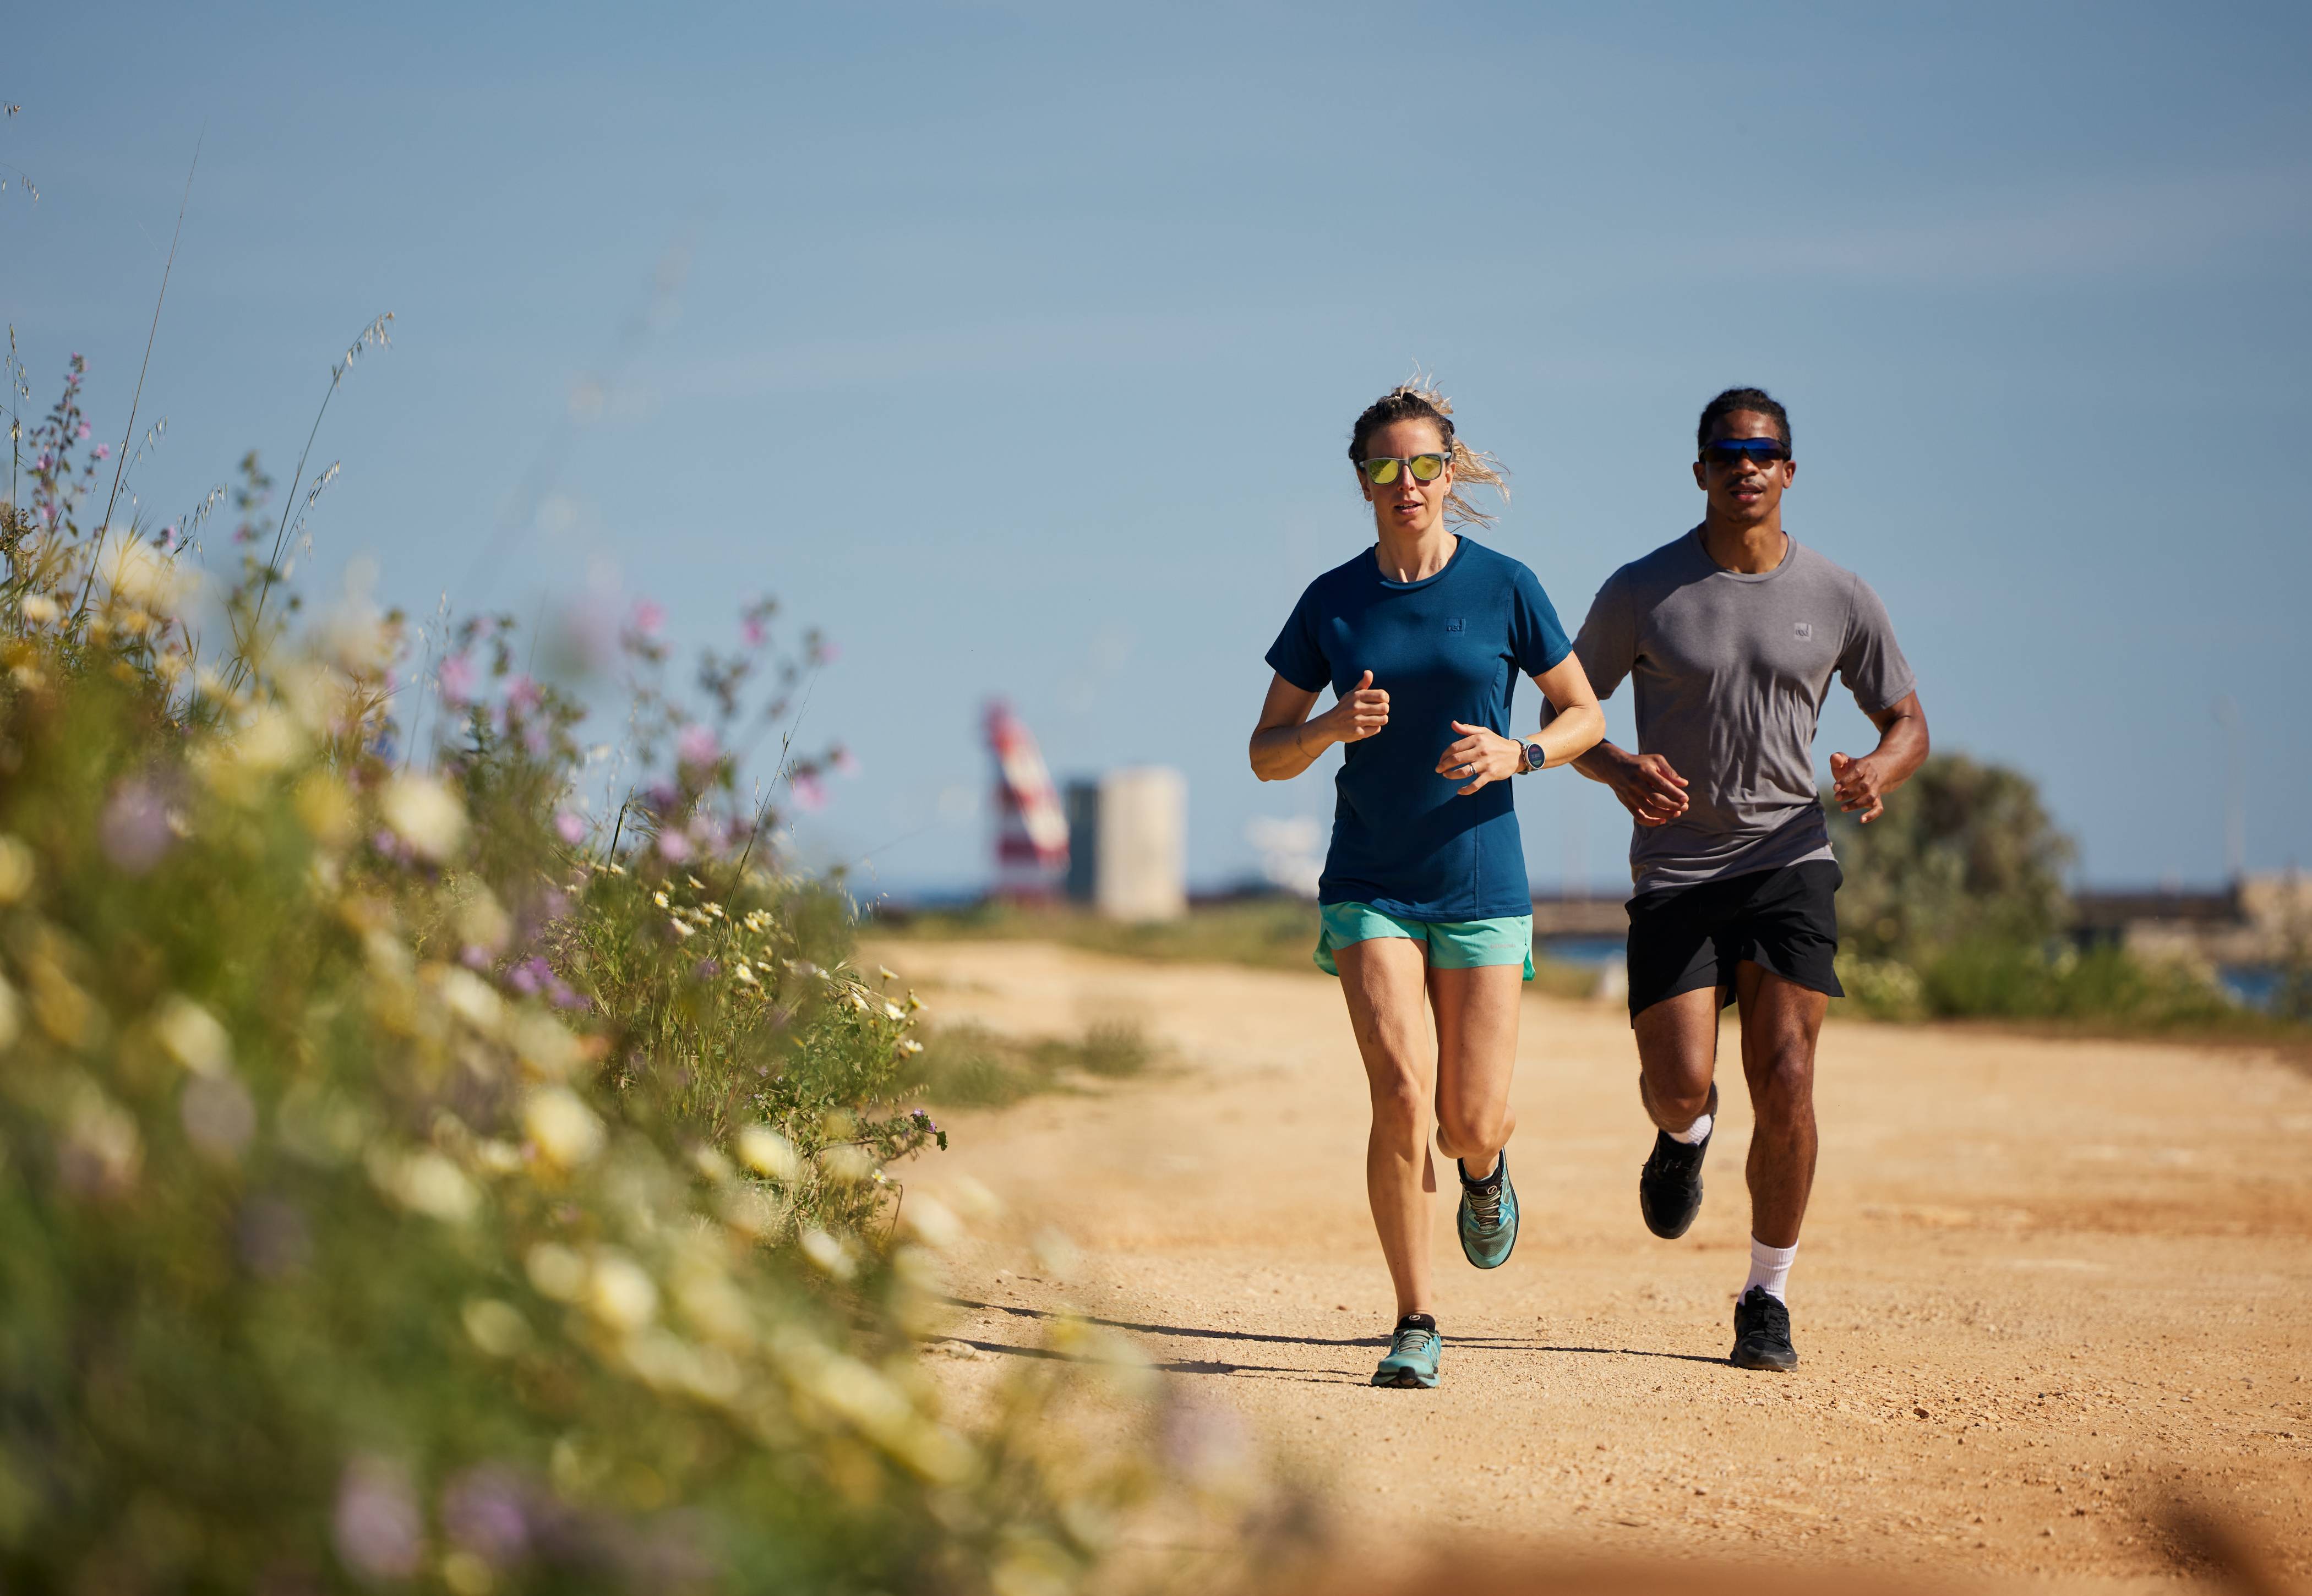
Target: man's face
<point>1744,493</point>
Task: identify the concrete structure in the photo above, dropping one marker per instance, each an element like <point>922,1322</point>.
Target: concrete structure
<point>2258,920</point>
<point>1128,843</point>
<point>1560,916</point>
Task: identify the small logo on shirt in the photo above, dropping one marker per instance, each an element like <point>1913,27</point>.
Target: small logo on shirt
<point>1803,631</point>
<point>1457,624</point>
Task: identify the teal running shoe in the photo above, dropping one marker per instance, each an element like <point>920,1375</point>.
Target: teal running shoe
<point>1412,1361</point>
<point>1489,1215</point>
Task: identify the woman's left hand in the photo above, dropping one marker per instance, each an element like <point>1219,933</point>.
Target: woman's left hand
<point>1479,757</point>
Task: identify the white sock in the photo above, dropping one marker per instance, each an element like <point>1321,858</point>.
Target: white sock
<point>1769,1267</point>
<point>1692,1134</point>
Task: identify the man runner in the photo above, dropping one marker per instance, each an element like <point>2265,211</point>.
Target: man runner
<point>1731,634</point>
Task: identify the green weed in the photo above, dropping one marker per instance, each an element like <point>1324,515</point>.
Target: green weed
<point>968,1065</point>
<point>411,1181</point>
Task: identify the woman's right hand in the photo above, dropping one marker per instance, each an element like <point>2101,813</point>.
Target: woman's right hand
<point>1360,712</point>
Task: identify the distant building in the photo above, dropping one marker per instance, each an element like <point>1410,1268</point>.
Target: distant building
<point>1128,843</point>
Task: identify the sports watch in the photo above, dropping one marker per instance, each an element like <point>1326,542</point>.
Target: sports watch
<point>1535,756</point>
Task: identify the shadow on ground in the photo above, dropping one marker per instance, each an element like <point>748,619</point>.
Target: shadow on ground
<point>1314,1376</point>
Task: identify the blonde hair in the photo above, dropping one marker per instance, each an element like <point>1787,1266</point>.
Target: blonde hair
<point>1417,399</point>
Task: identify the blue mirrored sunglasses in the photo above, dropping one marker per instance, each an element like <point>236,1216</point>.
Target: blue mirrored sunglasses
<point>1727,451</point>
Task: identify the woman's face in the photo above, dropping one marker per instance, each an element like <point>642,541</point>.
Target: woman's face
<point>1407,508</point>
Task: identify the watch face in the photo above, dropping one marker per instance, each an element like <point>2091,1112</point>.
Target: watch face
<point>1534,757</point>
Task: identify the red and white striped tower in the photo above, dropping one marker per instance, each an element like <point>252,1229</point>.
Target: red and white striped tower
<point>1032,829</point>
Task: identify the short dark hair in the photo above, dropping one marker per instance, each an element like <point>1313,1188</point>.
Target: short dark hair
<point>1756,400</point>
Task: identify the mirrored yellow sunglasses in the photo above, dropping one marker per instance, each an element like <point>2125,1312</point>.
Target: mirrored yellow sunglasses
<point>1381,469</point>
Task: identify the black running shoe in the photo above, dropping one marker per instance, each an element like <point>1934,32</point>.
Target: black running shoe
<point>1762,1333</point>
<point>1669,1185</point>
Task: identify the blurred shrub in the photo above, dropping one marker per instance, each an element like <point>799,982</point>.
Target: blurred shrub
<point>1269,933</point>
<point>1884,988</point>
<point>406,1180</point>
<point>1273,933</point>
<point>969,1066</point>
<point>2103,985</point>
<point>1113,1048</point>
<point>1965,851</point>
<point>1563,978</point>
<point>1954,907</point>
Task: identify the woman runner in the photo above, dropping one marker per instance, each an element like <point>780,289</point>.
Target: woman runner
<point>1422,638</point>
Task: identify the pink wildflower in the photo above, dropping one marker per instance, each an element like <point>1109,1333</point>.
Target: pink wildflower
<point>697,746</point>
<point>83,432</point>
<point>456,679</point>
<point>844,762</point>
<point>380,1531</point>
<point>484,1511</point>
<point>810,791</point>
<point>103,451</point>
<point>569,827</point>
<point>673,847</point>
<point>134,829</point>
<point>650,617</point>
<point>521,692</point>
<point>751,632</point>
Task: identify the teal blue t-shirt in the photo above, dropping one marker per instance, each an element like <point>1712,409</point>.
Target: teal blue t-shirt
<point>1450,647</point>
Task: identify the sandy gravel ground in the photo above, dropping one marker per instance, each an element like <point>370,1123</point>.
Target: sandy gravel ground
<point>2047,1288</point>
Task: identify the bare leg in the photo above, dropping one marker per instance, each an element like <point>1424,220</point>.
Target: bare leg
<point>1781,1023</point>
<point>1382,980</point>
<point>1477,1056</point>
<point>1678,1054</point>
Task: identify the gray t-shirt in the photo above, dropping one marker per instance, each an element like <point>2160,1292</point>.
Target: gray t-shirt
<point>1730,671</point>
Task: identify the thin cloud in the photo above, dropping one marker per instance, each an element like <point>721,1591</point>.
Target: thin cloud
<point>1006,346</point>
<point>2166,224</point>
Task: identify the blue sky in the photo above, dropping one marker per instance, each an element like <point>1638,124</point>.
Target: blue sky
<point>1018,344</point>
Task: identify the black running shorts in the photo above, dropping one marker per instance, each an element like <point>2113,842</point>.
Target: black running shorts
<point>1682,938</point>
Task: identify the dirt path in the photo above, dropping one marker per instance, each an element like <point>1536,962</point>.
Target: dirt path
<point>2045,1288</point>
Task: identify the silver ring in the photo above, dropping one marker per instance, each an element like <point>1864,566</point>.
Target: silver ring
<point>1467,769</point>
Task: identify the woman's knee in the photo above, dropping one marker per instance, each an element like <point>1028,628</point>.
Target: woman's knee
<point>1468,1126</point>
<point>1398,1103</point>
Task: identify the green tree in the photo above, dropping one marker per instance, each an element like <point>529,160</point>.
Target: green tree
<point>1965,853</point>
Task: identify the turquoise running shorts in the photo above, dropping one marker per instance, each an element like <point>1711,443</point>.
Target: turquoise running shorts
<point>1450,944</point>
